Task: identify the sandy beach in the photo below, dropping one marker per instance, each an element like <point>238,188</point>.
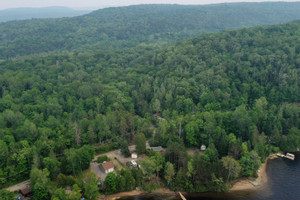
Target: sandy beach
<point>162,191</point>
<point>247,184</point>
<point>123,194</point>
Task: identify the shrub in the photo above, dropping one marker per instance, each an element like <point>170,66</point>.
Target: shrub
<point>101,159</point>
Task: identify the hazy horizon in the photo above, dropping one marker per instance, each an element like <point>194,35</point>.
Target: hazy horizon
<point>96,4</point>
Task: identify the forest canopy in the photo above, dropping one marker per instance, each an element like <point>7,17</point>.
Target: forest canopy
<point>123,27</point>
<point>236,92</point>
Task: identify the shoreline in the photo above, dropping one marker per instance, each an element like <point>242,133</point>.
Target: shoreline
<point>259,182</point>
<point>239,186</point>
<point>248,185</point>
<point>161,191</point>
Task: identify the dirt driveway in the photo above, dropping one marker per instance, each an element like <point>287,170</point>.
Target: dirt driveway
<point>18,186</point>
<point>99,173</point>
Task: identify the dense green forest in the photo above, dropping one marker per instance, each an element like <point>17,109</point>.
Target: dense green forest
<point>237,92</point>
<point>114,28</point>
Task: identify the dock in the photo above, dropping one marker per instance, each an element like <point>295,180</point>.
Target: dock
<point>288,155</point>
<point>273,157</point>
<point>280,155</point>
<point>181,195</point>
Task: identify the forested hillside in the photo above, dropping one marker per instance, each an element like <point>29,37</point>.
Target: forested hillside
<point>234,91</point>
<point>114,28</point>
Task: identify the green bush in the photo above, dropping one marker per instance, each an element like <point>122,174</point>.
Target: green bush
<point>103,148</point>
<point>101,159</point>
<point>149,187</point>
<point>6,195</point>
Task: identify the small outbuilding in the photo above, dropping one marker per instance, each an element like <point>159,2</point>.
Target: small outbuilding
<point>157,149</point>
<point>107,167</point>
<point>134,155</point>
<point>203,147</point>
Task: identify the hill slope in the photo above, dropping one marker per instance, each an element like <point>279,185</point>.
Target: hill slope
<point>233,91</point>
<point>113,28</point>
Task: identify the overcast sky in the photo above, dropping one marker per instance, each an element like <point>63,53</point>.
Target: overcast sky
<point>90,4</point>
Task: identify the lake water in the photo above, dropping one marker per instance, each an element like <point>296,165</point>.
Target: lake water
<point>283,184</point>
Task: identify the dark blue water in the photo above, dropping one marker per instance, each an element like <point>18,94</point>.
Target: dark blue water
<point>283,184</point>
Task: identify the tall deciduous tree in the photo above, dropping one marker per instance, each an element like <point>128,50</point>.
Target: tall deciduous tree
<point>40,191</point>
<point>124,149</point>
<point>110,184</point>
<point>91,190</point>
<point>232,166</point>
<point>140,142</point>
<point>77,134</point>
<point>52,165</point>
<point>169,172</point>
<point>192,130</point>
<point>176,154</point>
<point>156,106</point>
<point>159,160</point>
<point>39,176</point>
<point>250,163</point>
<point>148,168</point>
<point>130,181</point>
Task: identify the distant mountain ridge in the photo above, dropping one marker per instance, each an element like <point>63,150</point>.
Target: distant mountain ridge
<point>121,27</point>
<point>33,13</point>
